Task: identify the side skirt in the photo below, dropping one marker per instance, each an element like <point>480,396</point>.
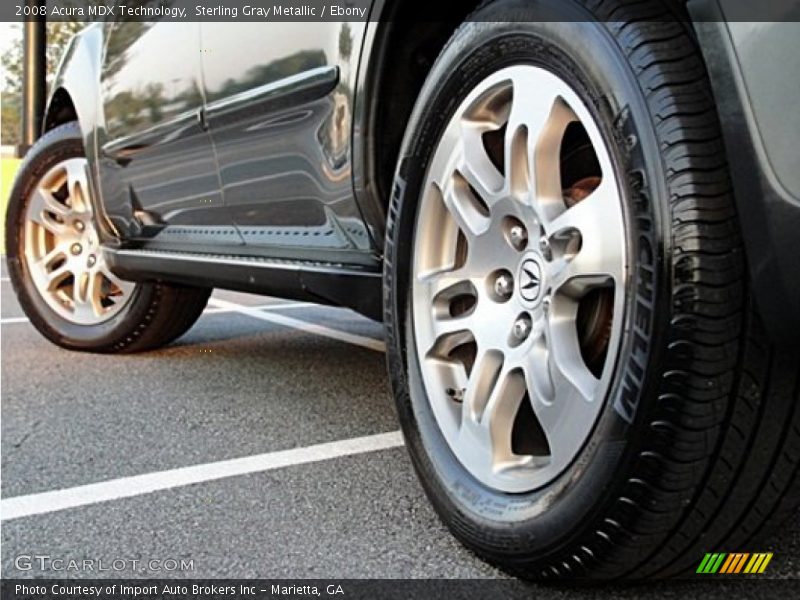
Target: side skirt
<point>324,283</point>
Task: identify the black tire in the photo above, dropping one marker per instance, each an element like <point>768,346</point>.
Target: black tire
<point>156,314</point>
<point>698,445</point>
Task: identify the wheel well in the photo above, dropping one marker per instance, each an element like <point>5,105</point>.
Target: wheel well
<point>403,53</point>
<point>401,57</point>
<point>61,110</point>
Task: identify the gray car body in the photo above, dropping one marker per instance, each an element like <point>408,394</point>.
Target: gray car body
<point>313,227</point>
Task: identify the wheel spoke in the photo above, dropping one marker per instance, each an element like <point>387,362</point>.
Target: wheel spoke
<point>547,160</point>
<point>42,204</point>
<point>78,185</point>
<point>570,376</point>
<point>538,119</point>
<point>440,282</point>
<point>59,251</point>
<point>465,208</point>
<point>444,288</point>
<point>445,247</point>
<point>122,286</point>
<point>498,420</point>
<point>519,163</point>
<point>564,424</point>
<point>94,291</point>
<point>87,296</point>
<point>537,373</point>
<point>483,383</point>
<point>448,328</point>
<point>528,122</point>
<point>522,128</point>
<point>567,407</point>
<point>597,222</point>
<point>444,327</point>
<point>44,200</point>
<point>491,403</point>
<point>475,166</point>
<point>54,278</point>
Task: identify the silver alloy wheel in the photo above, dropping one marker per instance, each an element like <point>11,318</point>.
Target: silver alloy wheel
<point>62,249</point>
<point>517,281</point>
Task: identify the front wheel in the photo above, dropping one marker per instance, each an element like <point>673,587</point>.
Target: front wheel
<point>576,369</point>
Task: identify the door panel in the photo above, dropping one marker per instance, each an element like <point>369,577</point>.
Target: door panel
<point>279,107</point>
<point>157,168</point>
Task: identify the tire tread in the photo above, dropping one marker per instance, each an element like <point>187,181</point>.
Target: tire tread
<point>721,390</point>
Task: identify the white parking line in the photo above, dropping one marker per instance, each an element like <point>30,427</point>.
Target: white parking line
<point>271,306</point>
<point>125,487</point>
<point>207,311</point>
<point>272,317</point>
<point>137,485</point>
<point>14,320</point>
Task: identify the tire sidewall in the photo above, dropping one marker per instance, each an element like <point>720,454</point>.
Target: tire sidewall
<point>54,147</point>
<point>586,55</point>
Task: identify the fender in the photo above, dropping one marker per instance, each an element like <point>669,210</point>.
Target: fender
<point>78,80</point>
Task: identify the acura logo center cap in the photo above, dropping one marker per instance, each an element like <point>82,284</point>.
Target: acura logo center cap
<point>530,280</point>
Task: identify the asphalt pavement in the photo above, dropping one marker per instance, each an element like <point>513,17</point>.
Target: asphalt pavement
<point>293,397</point>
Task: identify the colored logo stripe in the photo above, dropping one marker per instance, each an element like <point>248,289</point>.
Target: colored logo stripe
<point>734,562</point>
<point>758,563</point>
<point>711,563</point>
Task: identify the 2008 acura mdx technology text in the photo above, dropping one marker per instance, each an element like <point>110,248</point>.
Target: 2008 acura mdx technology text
<point>579,222</point>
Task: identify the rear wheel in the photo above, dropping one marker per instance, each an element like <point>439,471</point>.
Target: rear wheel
<point>58,269</point>
<point>584,387</point>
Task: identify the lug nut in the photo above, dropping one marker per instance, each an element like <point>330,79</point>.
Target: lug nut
<point>522,328</point>
<point>76,249</point>
<point>544,247</point>
<point>546,303</point>
<point>79,226</point>
<point>91,261</point>
<point>518,236</point>
<point>504,285</point>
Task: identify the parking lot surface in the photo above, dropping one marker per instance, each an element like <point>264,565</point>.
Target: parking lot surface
<point>263,443</point>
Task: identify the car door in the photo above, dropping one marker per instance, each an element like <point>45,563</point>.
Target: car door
<point>158,173</point>
<point>279,107</point>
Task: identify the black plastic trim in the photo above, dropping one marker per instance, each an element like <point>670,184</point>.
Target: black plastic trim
<point>769,216</point>
<point>358,259</point>
<point>323,283</point>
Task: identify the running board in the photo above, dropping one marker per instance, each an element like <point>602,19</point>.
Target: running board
<point>320,282</point>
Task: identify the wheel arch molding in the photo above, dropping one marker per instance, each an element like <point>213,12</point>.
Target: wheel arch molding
<point>386,94</point>
<point>75,96</point>
<point>766,196</point>
<point>75,91</point>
